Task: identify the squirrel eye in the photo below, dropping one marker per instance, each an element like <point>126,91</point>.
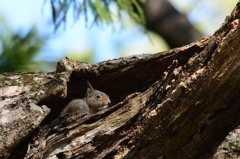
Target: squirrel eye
<point>98,96</point>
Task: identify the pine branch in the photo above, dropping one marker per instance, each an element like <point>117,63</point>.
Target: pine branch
<point>100,9</point>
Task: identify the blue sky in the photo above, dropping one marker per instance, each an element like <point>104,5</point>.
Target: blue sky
<point>106,42</point>
<point>103,40</point>
<point>21,15</point>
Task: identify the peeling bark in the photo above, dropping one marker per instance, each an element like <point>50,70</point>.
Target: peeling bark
<point>176,104</point>
<point>19,113</point>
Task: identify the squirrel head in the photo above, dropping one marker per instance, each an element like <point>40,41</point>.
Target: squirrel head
<point>96,99</point>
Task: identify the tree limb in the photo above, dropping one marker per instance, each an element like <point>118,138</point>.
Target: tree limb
<point>175,104</point>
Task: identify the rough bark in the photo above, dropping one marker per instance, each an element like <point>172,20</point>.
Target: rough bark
<point>176,104</point>
<point>19,114</point>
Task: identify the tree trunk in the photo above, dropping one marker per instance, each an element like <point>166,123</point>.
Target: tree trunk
<point>163,19</point>
<point>176,104</point>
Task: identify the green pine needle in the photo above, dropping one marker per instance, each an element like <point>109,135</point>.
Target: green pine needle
<point>98,8</point>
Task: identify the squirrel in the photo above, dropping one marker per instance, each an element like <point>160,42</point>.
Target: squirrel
<point>93,102</point>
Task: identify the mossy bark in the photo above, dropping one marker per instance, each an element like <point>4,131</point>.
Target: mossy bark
<point>176,104</point>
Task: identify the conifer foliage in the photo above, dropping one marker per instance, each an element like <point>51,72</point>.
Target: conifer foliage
<point>100,9</point>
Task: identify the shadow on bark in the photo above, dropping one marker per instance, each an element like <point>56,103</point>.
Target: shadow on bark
<point>176,104</point>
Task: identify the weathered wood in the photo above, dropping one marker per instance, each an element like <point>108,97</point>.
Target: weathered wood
<point>175,104</point>
<point>19,114</point>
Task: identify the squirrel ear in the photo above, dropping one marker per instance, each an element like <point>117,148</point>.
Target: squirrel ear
<point>89,92</point>
<point>90,86</point>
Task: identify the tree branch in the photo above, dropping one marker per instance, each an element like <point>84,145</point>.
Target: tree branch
<point>176,104</point>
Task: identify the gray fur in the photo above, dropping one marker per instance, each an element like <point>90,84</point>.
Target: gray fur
<point>93,101</point>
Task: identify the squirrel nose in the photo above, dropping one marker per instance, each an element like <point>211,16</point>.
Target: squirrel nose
<point>108,102</point>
